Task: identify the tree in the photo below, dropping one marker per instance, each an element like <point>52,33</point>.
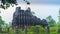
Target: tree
<point>51,21</point>
<point>1,21</point>
<point>6,3</point>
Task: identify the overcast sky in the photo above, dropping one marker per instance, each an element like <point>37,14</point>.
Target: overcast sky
<point>42,9</point>
<point>42,1</point>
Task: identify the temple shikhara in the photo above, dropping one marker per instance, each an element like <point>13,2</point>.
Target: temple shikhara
<point>22,18</point>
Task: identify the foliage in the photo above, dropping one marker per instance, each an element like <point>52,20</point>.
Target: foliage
<point>1,21</point>
<point>6,3</point>
<point>53,30</point>
<point>12,31</point>
<point>51,21</point>
<point>58,26</point>
<point>30,30</point>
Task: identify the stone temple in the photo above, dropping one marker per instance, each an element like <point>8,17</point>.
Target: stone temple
<point>22,18</point>
<point>25,18</point>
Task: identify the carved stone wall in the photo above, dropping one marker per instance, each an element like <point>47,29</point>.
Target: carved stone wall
<point>25,18</point>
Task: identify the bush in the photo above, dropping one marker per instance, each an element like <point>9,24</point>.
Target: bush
<point>53,30</point>
<point>30,30</point>
<point>11,31</point>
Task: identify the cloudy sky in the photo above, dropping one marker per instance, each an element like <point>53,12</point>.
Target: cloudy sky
<point>42,1</point>
<point>42,9</point>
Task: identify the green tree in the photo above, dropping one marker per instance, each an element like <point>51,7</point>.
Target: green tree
<point>51,21</point>
<point>6,3</point>
<point>58,27</point>
<point>1,21</point>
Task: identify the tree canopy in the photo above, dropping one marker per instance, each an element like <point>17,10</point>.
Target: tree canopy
<point>51,21</point>
<point>1,21</point>
<point>6,3</point>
